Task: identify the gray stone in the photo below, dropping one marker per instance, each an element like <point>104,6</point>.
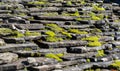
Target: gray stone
<point>2,42</point>
<point>8,57</point>
<point>61,18</point>
<point>31,60</point>
<point>61,44</point>
<point>13,47</point>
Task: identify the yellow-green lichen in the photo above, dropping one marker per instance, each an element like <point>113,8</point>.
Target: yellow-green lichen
<point>100,53</point>
<point>94,44</point>
<point>55,27</point>
<point>54,56</point>
<point>5,30</point>
<point>76,31</point>
<point>91,38</point>
<point>69,3</point>
<point>53,39</point>
<point>66,34</point>
<point>116,64</point>
<point>29,33</point>
<point>50,33</point>
<point>97,8</point>
<point>78,19</point>
<point>36,2</point>
<point>16,34</point>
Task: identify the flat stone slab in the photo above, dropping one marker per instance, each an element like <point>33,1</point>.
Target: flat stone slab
<point>71,56</point>
<point>80,67</point>
<point>75,26</point>
<point>115,50</point>
<point>84,49</point>
<point>8,57</point>
<point>40,52</point>
<point>13,47</point>
<point>14,40</point>
<point>13,66</point>
<point>107,38</point>
<point>61,44</point>
<point>103,64</point>
<point>61,18</point>
<point>30,26</point>
<point>39,61</point>
<point>55,66</point>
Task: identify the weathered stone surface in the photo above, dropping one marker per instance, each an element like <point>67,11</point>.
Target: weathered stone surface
<point>2,42</point>
<point>61,44</point>
<point>30,26</point>
<point>76,49</point>
<point>116,44</point>
<point>94,17</point>
<point>76,26</point>
<point>71,56</point>
<point>79,67</point>
<point>16,65</point>
<point>8,57</point>
<point>84,49</point>
<point>31,60</point>
<point>61,18</point>
<point>107,39</point>
<point>14,40</point>
<point>12,47</point>
<point>102,64</point>
<point>41,61</point>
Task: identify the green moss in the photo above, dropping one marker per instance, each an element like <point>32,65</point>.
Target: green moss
<point>36,2</point>
<point>96,30</point>
<point>98,69</point>
<point>76,14</point>
<point>89,69</point>
<point>50,33</point>
<point>71,14</point>
<point>101,16</point>
<point>51,14</point>
<point>22,14</point>
<point>5,30</point>
<point>16,34</point>
<point>69,3</point>
<point>78,19</point>
<point>92,14</point>
<point>31,18</point>
<point>51,55</point>
<point>88,60</point>
<point>53,39</point>
<point>27,49</point>
<point>116,64</point>
<point>29,33</point>
<point>59,0</point>
<point>67,34</point>
<point>91,38</point>
<point>65,14</point>
<point>94,44</point>
<point>95,18</point>
<point>95,7</point>
<point>55,27</point>
<point>76,31</point>
<point>100,9</point>
<point>117,20</point>
<point>100,53</point>
<point>82,2</point>
<point>59,54</point>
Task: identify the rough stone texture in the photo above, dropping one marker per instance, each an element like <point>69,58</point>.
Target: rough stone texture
<point>33,16</point>
<point>8,57</point>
